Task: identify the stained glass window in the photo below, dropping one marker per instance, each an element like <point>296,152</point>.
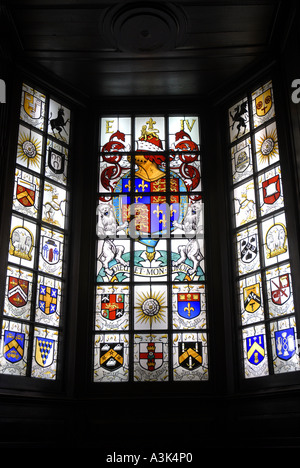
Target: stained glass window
<point>150,320</point>
<point>264,281</point>
<point>36,267</point>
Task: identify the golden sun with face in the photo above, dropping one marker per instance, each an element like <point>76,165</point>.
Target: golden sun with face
<point>150,308</point>
<point>267,147</point>
<point>29,150</point>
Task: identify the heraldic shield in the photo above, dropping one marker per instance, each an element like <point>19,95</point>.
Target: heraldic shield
<point>252,298</point>
<point>48,299</point>
<point>44,351</point>
<point>151,355</point>
<point>263,103</point>
<point>189,305</point>
<point>271,190</point>
<point>25,192</point>
<point>17,291</point>
<point>280,289</point>
<point>13,345</point>
<point>248,247</point>
<point>32,105</point>
<point>255,349</point>
<point>51,250</point>
<point>112,356</point>
<point>151,211</point>
<point>56,161</point>
<point>285,343</point>
<point>190,354</point>
<point>112,306</point>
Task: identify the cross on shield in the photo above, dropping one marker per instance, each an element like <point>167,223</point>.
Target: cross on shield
<point>48,299</point>
<point>263,103</point>
<point>151,355</point>
<point>32,105</point>
<point>112,306</point>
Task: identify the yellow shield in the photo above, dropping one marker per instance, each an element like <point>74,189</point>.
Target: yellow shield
<point>32,106</point>
<point>263,103</point>
<point>252,297</point>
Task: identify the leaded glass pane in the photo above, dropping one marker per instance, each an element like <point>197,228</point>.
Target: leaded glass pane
<point>111,357</point>
<point>151,357</point>
<point>14,348</point>
<point>242,164</point>
<point>284,345</point>
<point>239,123</point>
<point>29,150</point>
<point>270,191</point>
<point>26,193</point>
<point>150,248</point>
<point>36,255</point>
<point>280,291</point>
<point>264,275</point>
<point>33,107</point>
<point>266,146</point>
<point>244,203</point>
<point>18,293</point>
<point>190,359</point>
<point>263,108</point>
<point>45,351</point>
<point>255,351</point>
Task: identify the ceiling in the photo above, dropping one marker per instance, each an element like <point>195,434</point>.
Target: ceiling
<point>157,48</point>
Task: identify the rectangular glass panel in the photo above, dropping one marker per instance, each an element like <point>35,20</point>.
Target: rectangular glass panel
<point>270,191</point>
<point>150,237</point>
<point>255,352</point>
<point>280,291</point>
<point>36,263</point>
<point>190,359</point>
<point>242,163</point>
<point>264,283</point>
<point>284,345</point>
<point>263,107</point>
<point>239,122</point>
<point>111,357</point>
<point>18,293</point>
<point>14,348</point>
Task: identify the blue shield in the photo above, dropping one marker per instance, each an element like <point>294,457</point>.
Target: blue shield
<point>13,345</point>
<point>189,305</point>
<point>285,343</point>
<point>255,349</point>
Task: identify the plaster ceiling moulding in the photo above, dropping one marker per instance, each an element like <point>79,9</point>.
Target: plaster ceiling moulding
<point>151,28</point>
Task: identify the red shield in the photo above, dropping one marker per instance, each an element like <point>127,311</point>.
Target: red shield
<point>271,189</point>
<point>17,291</point>
<point>25,193</point>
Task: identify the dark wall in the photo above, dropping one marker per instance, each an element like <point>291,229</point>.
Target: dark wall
<point>223,413</point>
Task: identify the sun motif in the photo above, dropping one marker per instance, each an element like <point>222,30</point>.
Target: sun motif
<point>29,149</point>
<point>150,307</point>
<point>267,147</point>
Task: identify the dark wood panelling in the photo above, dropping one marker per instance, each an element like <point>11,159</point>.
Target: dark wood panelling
<point>84,44</point>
